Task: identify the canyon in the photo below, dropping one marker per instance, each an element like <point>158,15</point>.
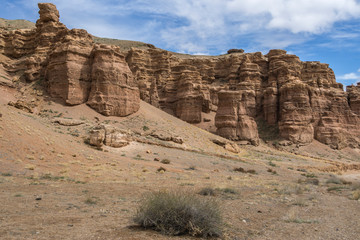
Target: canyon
<point>235,91</point>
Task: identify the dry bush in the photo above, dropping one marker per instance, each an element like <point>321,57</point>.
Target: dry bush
<point>177,213</point>
<point>207,191</point>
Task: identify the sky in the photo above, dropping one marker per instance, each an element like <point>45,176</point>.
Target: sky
<point>315,30</point>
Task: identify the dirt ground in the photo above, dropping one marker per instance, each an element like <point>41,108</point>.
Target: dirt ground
<point>55,186</point>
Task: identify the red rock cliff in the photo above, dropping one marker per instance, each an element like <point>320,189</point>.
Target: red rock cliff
<point>302,99</point>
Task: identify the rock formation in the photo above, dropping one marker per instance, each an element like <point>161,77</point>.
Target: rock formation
<point>302,99</point>
<point>74,68</point>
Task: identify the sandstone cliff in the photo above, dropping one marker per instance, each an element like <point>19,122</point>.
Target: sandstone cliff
<point>301,99</point>
<point>74,68</point>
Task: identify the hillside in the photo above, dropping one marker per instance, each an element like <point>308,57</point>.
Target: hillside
<point>87,129</point>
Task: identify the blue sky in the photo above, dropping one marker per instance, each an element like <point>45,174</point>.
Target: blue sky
<point>315,30</point>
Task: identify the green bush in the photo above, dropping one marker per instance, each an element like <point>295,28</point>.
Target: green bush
<point>177,213</point>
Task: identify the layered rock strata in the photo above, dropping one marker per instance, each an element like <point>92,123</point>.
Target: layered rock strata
<point>74,68</point>
<point>302,99</point>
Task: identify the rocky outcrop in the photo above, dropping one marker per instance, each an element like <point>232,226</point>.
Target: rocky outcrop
<point>354,98</point>
<point>76,69</point>
<point>113,89</point>
<point>69,69</point>
<point>232,120</point>
<point>302,99</point>
<point>109,136</point>
<point>296,96</point>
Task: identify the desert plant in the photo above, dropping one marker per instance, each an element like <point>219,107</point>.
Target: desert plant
<point>177,213</point>
<point>165,161</point>
<point>207,191</point>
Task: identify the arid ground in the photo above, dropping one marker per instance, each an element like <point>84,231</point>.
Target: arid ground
<point>53,185</point>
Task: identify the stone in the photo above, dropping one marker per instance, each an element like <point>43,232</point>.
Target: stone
<point>22,105</point>
<point>97,136</point>
<point>68,122</point>
<point>116,138</point>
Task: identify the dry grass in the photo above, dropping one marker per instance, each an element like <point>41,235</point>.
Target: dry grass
<point>177,213</point>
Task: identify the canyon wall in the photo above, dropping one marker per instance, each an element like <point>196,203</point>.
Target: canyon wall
<point>241,90</point>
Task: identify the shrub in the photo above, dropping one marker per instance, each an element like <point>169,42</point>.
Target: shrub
<point>207,191</point>
<point>177,213</point>
<point>165,161</point>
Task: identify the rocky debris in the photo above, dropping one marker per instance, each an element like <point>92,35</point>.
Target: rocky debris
<point>109,136</point>
<point>115,137</point>
<point>22,105</point>
<point>230,146</point>
<point>97,136</point>
<point>166,137</point>
<point>67,121</point>
<point>230,51</point>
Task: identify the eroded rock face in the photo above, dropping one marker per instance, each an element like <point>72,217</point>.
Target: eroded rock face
<point>302,99</point>
<point>69,69</point>
<point>296,96</point>
<point>74,67</point>
<point>232,120</point>
<point>113,89</point>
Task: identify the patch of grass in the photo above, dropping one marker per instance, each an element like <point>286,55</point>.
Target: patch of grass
<point>90,201</point>
<point>192,167</point>
<point>208,191</point>
<point>242,170</point>
<point>300,220</point>
<point>51,177</point>
<point>313,181</point>
<point>272,171</point>
<point>18,195</point>
<point>336,188</point>
<point>178,213</point>
<point>310,175</point>
<point>228,190</point>
<point>6,174</point>
<point>165,161</point>
<point>271,164</point>
<point>145,128</point>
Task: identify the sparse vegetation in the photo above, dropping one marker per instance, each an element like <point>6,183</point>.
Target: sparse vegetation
<point>177,213</point>
<point>90,201</point>
<point>208,191</point>
<point>6,174</point>
<point>192,167</point>
<point>165,161</point>
<point>271,164</point>
<point>242,170</point>
<point>145,128</point>
<point>228,190</point>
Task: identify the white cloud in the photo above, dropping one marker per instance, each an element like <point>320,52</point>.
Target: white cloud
<point>184,25</point>
<point>350,77</point>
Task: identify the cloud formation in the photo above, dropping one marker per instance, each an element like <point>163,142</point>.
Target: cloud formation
<point>209,25</point>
